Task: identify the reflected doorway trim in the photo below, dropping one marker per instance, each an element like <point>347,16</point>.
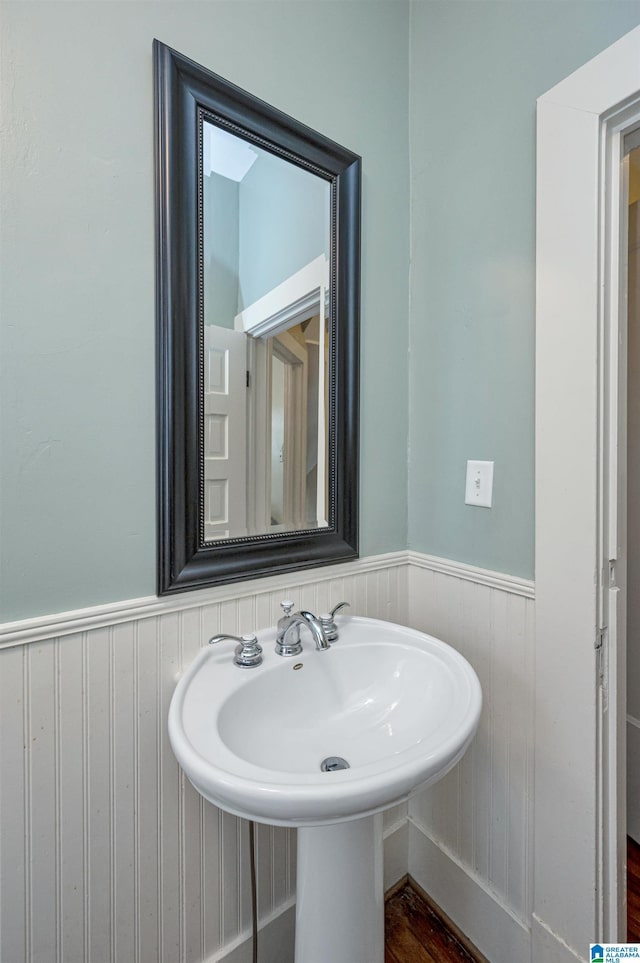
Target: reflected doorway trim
<point>300,297</point>
<point>297,299</point>
<point>294,358</point>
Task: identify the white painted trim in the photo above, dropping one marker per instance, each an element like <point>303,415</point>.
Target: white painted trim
<point>570,784</point>
<point>396,852</point>
<point>277,930</point>
<point>602,83</point>
<point>471,573</point>
<point>396,825</point>
<point>632,140</point>
<point>612,527</point>
<point>548,946</point>
<point>114,613</point>
<point>296,299</point>
<point>497,932</point>
<point>480,816</point>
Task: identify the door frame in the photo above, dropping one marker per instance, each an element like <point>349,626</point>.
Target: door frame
<point>294,357</point>
<point>576,857</point>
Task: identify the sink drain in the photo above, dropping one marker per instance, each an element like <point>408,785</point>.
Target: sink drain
<point>333,763</point>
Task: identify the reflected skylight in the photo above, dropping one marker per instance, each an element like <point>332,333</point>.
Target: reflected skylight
<point>225,154</point>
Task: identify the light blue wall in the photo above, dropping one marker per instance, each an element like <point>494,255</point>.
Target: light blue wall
<point>284,224</point>
<point>476,71</point>
<point>259,232</point>
<point>220,202</point>
<point>77,463</point>
<point>77,408</point>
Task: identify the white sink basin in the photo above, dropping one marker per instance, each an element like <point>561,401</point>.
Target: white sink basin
<point>399,706</point>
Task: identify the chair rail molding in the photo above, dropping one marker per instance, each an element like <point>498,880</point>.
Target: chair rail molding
<point>56,625</point>
<point>115,613</point>
<point>472,573</point>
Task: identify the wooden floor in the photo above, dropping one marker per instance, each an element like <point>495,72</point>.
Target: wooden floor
<point>415,933</point>
<point>633,891</point>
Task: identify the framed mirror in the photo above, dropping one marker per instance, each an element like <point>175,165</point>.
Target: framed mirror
<point>258,294</point>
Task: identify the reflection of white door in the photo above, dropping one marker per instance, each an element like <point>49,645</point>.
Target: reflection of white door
<point>225,416</point>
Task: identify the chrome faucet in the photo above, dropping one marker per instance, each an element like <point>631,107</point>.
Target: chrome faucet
<point>328,622</point>
<point>288,637</point>
<point>248,654</point>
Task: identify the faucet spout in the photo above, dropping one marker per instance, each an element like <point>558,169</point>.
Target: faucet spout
<point>316,630</point>
<point>286,641</point>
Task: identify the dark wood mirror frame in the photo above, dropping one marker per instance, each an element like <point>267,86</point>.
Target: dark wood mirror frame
<point>185,93</point>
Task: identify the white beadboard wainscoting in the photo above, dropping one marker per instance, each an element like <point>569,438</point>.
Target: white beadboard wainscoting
<point>107,853</point>
<point>470,834</point>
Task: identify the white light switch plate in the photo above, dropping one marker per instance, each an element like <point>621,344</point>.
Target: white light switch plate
<point>479,488</point>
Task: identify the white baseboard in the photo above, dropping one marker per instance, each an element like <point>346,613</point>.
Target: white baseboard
<point>548,946</point>
<point>276,938</point>
<point>491,926</point>
<point>396,853</point>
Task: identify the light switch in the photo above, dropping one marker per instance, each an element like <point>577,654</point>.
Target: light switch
<point>479,488</point>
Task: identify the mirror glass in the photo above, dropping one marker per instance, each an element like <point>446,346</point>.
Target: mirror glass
<point>266,358</point>
<point>258,303</point>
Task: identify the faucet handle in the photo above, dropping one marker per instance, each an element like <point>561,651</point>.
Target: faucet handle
<point>248,653</point>
<point>327,621</point>
<point>221,638</point>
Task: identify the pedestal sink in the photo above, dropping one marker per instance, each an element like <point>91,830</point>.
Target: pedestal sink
<point>396,706</point>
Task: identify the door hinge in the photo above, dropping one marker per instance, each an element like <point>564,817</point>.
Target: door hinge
<point>248,380</point>
<point>600,661</point>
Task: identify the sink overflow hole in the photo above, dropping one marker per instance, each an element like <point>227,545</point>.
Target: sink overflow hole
<point>333,763</point>
<point>297,666</point>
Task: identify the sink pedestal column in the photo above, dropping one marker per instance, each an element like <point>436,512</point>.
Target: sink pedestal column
<point>340,897</point>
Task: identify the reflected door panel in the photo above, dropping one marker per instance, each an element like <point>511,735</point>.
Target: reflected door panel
<point>225,437</point>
